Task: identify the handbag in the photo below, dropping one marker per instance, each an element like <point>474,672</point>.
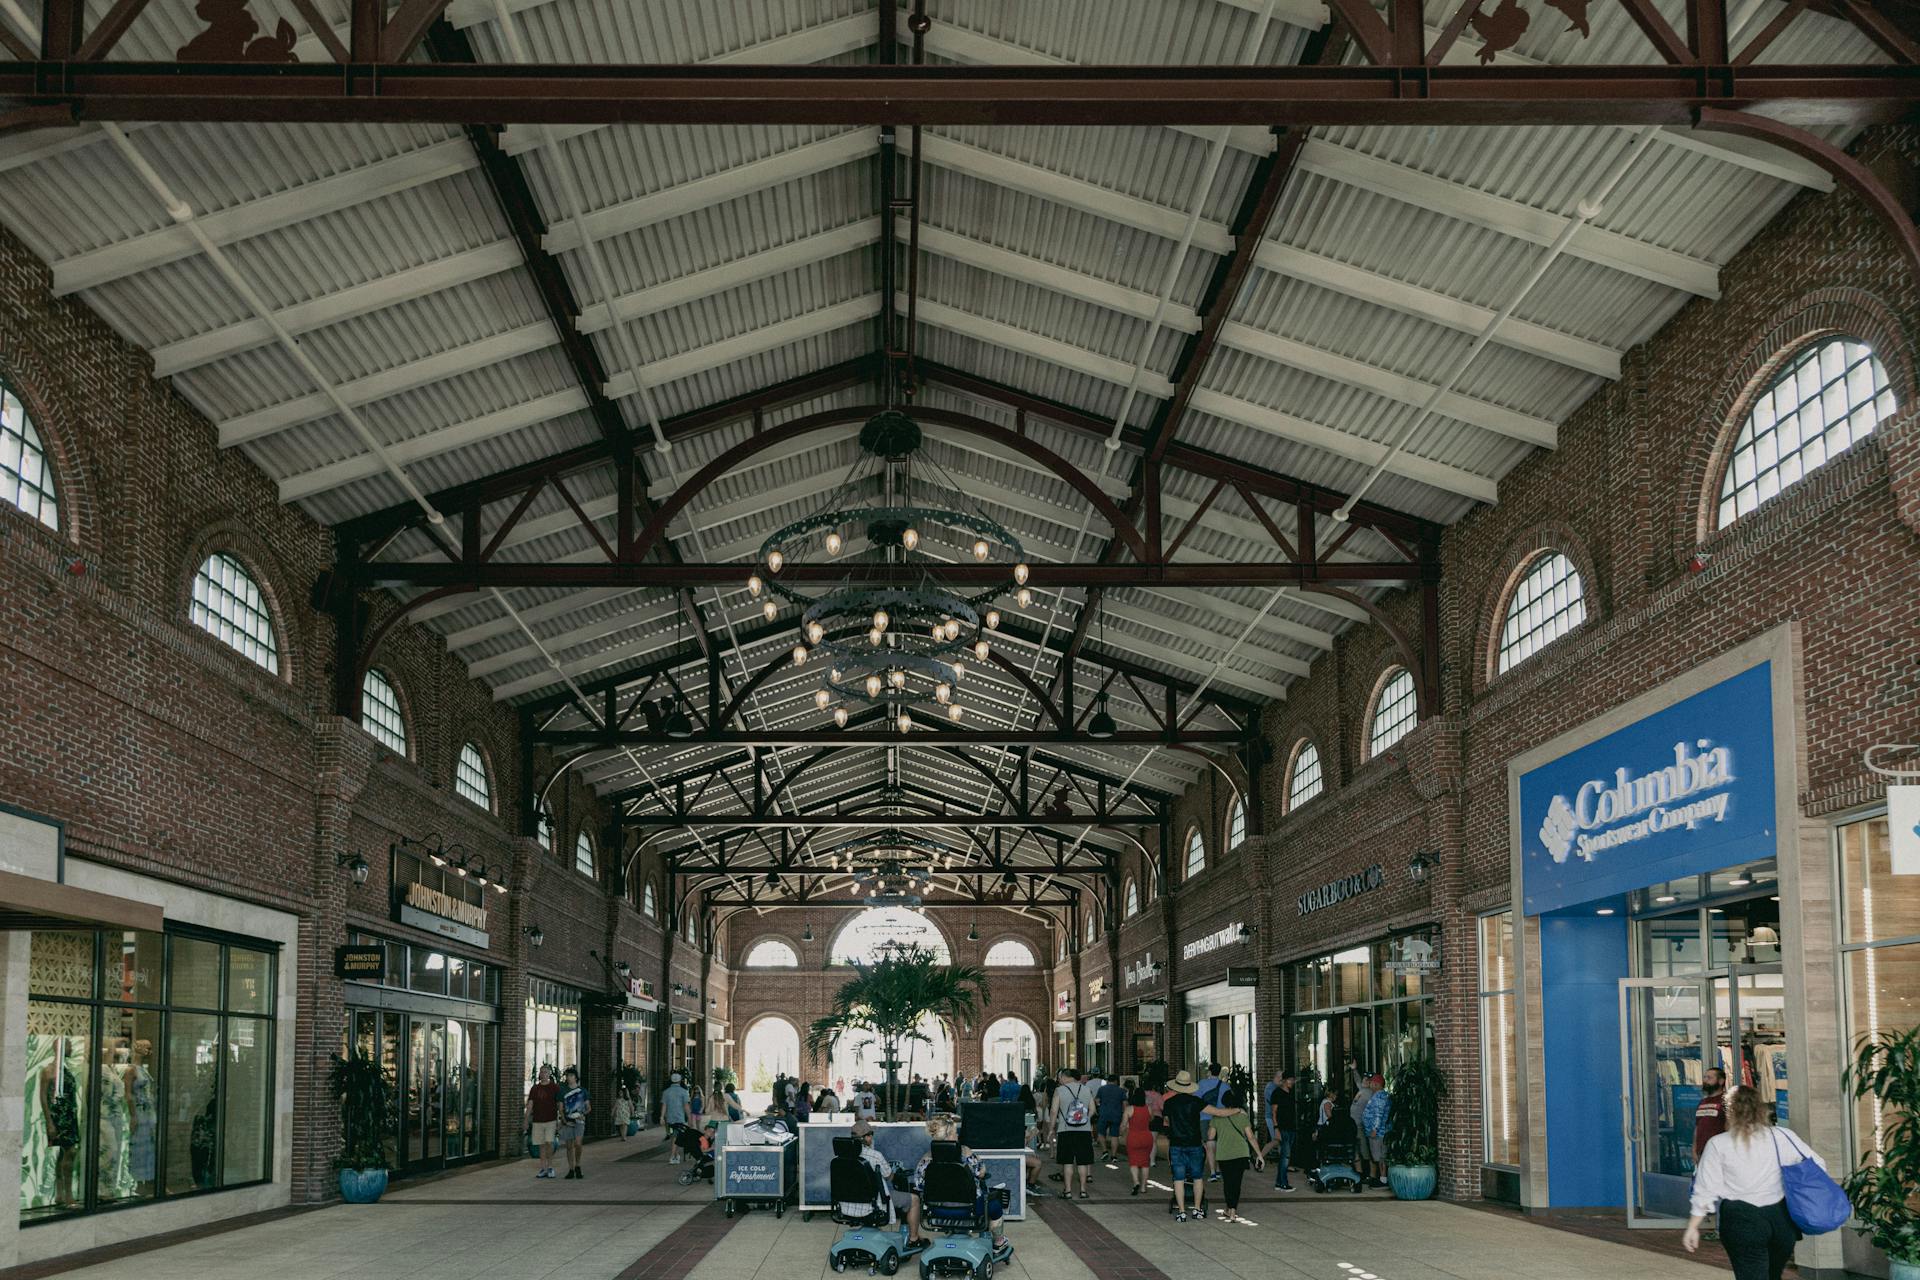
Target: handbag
<point>1816,1203</point>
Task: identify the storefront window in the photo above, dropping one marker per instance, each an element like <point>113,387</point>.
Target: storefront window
<point>149,1069</point>
<point>1499,1041</point>
<point>1363,1009</point>
<point>1882,949</point>
<point>553,1026</point>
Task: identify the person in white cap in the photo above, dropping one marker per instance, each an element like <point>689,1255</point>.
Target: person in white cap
<point>674,1104</point>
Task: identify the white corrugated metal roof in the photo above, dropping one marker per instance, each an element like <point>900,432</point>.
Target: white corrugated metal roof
<point>712,261</point>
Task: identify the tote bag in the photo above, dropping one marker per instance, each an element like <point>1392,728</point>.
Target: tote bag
<point>1815,1202</point>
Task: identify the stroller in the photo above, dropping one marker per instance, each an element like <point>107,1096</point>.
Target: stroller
<point>955,1204</point>
<point>698,1146</point>
<point>1334,1150</point>
<point>872,1243</point>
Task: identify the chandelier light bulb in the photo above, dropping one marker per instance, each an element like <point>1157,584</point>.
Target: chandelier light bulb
<point>938,630</point>
<point>959,671</point>
<point>905,721</point>
<point>873,636</point>
<point>873,686</point>
<point>1020,573</point>
<point>897,678</point>
<point>775,560</point>
<point>840,717</point>
<point>821,698</point>
<point>1025,598</point>
<point>909,537</point>
<point>955,711</point>
<point>754,585</point>
<point>799,655</point>
<point>993,619</point>
<point>769,611</point>
<point>833,674</point>
<point>980,650</point>
<point>953,628</point>
<point>943,692</point>
<point>980,548</point>
<point>834,542</point>
<point>815,633</point>
<point>880,619</point>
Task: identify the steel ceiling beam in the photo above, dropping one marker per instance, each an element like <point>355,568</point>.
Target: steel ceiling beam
<point>609,573</point>
<point>1400,92</point>
<point>829,736</point>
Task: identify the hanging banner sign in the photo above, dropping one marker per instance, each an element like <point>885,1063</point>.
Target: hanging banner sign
<point>1225,936</point>
<point>1335,892</point>
<point>1903,829</point>
<point>1151,1011</point>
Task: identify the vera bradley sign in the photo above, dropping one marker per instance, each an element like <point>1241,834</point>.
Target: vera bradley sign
<point>1686,789</point>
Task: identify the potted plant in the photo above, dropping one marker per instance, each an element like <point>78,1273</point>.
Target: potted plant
<point>889,999</point>
<point>1882,1186</point>
<point>365,1097</point>
<point>1413,1128</point>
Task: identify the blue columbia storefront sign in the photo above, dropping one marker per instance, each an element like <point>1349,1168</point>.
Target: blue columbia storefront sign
<point>1687,789</point>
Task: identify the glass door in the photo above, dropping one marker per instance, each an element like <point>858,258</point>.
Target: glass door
<point>1664,1023</point>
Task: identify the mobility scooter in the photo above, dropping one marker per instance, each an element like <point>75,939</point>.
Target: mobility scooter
<point>956,1203</point>
<point>862,1204</point>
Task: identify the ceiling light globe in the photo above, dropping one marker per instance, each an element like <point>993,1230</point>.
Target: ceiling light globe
<point>909,537</point>
<point>959,672</point>
<point>834,543</point>
<point>980,548</point>
<point>754,585</point>
<point>873,686</point>
<point>1025,597</point>
<point>905,721</point>
<point>821,698</point>
<point>955,711</point>
<point>775,561</point>
<point>880,619</point>
<point>815,633</point>
<point>799,655</point>
<point>898,679</point>
<point>980,650</point>
<point>1020,573</point>
<point>993,619</point>
<point>769,611</point>
<point>943,692</point>
<point>873,637</point>
<point>840,717</point>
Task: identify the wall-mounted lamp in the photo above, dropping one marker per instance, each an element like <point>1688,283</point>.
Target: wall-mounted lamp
<point>1421,865</point>
<point>622,968</point>
<point>1246,933</point>
<point>356,866</point>
<point>973,932</point>
<point>806,934</point>
<point>712,1003</point>
<point>536,935</point>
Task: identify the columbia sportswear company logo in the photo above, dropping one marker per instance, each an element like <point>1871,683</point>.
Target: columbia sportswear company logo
<point>1643,806</point>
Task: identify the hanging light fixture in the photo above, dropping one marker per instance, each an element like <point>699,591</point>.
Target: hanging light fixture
<point>1100,724</point>
<point>917,632</point>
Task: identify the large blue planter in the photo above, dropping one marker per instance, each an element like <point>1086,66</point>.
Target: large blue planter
<point>362,1186</point>
<point>1412,1181</point>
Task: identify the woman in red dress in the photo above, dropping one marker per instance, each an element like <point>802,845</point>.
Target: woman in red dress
<point>1138,1120</point>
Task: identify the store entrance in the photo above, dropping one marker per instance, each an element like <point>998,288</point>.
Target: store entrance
<point>1710,994</point>
<point>444,1068</point>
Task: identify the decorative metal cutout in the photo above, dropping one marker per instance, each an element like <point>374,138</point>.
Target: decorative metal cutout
<point>1576,11</point>
<point>1498,31</point>
<point>233,35</point>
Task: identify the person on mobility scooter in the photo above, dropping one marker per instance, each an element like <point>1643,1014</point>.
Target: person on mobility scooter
<point>955,1200</point>
<point>859,1182</point>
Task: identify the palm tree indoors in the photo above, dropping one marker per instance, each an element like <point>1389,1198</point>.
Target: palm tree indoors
<point>887,1001</point>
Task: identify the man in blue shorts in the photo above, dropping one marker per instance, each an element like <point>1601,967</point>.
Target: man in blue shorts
<point>1186,1146</point>
<point>1109,1106</point>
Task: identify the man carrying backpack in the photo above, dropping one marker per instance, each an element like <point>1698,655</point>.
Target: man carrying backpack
<point>1073,1129</point>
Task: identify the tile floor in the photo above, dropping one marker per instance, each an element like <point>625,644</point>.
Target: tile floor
<point>630,1220</point>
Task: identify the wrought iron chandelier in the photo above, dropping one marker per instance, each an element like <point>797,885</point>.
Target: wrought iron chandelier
<point>891,648</point>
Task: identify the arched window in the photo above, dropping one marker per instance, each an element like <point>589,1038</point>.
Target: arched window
<point>1133,899</point>
<point>380,712</point>
<point>1196,853</point>
<point>583,854</point>
<point>693,927</point>
<point>543,826</point>
<point>1010,953</point>
<point>470,777</point>
<point>227,604</point>
<point>1821,403</point>
<point>26,481</point>
<point>1547,602</point>
<point>860,939</point>
<point>1091,926</point>
<point>647,901</point>
<point>1236,825</point>
<point>1304,779</point>
<point>771,954</point>
<point>1395,711</point>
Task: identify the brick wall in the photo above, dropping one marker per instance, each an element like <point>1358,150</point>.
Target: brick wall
<point>170,754</point>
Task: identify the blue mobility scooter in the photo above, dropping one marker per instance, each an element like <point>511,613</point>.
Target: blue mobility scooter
<point>870,1242</point>
<point>956,1204</point>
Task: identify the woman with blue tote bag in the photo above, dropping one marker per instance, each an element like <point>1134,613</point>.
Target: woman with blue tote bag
<point>1770,1189</point>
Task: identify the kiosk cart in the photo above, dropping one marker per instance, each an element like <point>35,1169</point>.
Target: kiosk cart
<point>758,1175</point>
<point>902,1143</point>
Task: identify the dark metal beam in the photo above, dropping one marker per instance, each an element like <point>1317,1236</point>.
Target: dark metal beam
<point>1413,95</point>
<point>808,821</point>
<point>928,736</point>
<point>1049,576</point>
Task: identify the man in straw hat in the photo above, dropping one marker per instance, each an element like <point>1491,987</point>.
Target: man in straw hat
<point>1183,1114</point>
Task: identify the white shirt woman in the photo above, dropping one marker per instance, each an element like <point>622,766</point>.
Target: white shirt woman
<point>1739,1174</point>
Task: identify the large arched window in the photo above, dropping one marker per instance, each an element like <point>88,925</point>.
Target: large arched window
<point>1304,778</point>
<point>1547,602</point>
<point>1196,853</point>
<point>860,939</point>
<point>228,605</point>
<point>1010,953</point>
<point>470,777</point>
<point>1133,898</point>
<point>1236,824</point>
<point>1395,712</point>
<point>26,478</point>
<point>543,826</point>
<point>583,854</point>
<point>771,953</point>
<point>1092,927</point>
<point>380,712</point>
<point>1820,404</point>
